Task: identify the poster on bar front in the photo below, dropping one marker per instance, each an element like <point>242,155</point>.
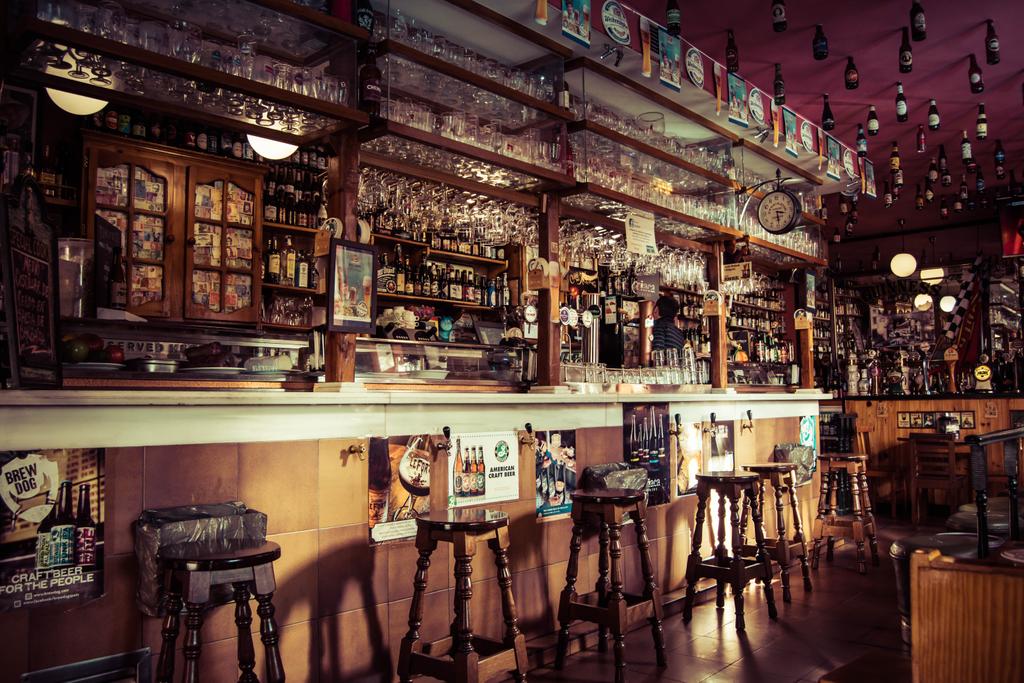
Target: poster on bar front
<point>483,467</point>
<point>554,455</point>
<point>737,100</point>
<point>669,68</point>
<point>645,434</point>
<point>51,538</point>
<point>576,21</point>
<point>399,484</point>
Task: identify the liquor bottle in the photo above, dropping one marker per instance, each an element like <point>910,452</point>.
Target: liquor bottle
<point>454,288</point>
<point>44,540</point>
<point>819,43</point>
<point>124,122</point>
<point>732,53</point>
<point>918,26</point>
<point>236,146</point>
<point>435,283</point>
<point>399,271</point>
<point>894,157</point>
<point>901,103</point>
<point>672,18</point>
<point>828,122</point>
<point>409,288</point>
<point>157,131</point>
<point>897,182</point>
<point>203,140</point>
<point>779,23</point>
<point>943,208</point>
<point>974,76</point>
<point>139,127</point>
<point>919,199</point>
<point>273,272</point>
<point>457,484</point>
<point>314,274</point>
<point>862,142</point>
<point>47,171</point>
<point>966,155</point>
<point>920,138</point>
<point>981,124</point>
<point>933,115</point>
<point>288,258</point>
<point>851,76</point>
<point>1000,160</point>
<point>872,121</point>
<point>269,201</point>
<point>887,196</point>
<point>85,530</point>
<point>62,535</point>
<point>226,143</point>
<point>370,86</point>
<point>565,96</point>
<point>118,283</point>
<point>991,44</point>
<point>906,53</point>
<point>302,271</point>
<point>945,178</point>
<point>780,86</point>
<point>979,181</point>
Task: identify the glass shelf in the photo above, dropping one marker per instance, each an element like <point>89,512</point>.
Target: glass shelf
<point>602,203</point>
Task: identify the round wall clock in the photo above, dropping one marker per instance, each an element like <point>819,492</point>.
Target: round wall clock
<point>778,211</point>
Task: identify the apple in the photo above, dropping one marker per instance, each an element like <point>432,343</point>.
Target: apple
<point>93,341</point>
<point>75,350</point>
<point>115,353</point>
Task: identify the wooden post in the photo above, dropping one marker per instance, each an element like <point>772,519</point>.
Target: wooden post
<point>805,341</point>
<point>342,189</point>
<point>717,325</point>
<point>549,342</point>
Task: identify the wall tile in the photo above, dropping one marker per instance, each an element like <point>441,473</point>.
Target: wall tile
<point>536,615</point>
<point>352,574</point>
<point>123,498</point>
<point>280,479</point>
<point>184,475</point>
<point>402,557</point>
<point>296,577</point>
<point>343,483</point>
<point>14,634</point>
<point>354,646</point>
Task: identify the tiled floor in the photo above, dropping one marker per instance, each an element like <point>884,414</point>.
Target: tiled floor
<point>845,616</point>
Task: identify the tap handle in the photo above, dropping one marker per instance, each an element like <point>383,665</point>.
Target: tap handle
<point>750,415</point>
<point>712,419</point>
<point>447,431</point>
<point>529,429</point>
<point>679,420</point>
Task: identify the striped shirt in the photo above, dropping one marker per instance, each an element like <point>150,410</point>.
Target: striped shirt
<point>667,335</point>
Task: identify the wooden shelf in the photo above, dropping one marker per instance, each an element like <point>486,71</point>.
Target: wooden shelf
<point>756,307</point>
<point>466,76</point>
<point>661,236</point>
<point>268,225</point>
<point>731,326</point>
<point>548,177</point>
<point>442,255</point>
<point>57,201</point>
<point>787,251</point>
<point>305,291</point>
<point>289,328</point>
<point>651,150</point>
<point>680,290</point>
<point>431,301</point>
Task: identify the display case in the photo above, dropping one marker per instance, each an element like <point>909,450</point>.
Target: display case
<point>418,362</point>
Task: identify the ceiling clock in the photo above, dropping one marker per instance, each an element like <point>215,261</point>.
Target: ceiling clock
<point>778,211</point>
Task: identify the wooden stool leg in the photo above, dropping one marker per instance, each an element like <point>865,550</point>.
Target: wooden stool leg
<point>836,488</point>
<point>169,631</point>
<point>798,533</point>
<point>721,553</point>
<point>464,655</point>
<point>869,515</point>
<point>513,637</point>
<point>617,601</point>
<point>193,642</point>
<point>426,545</point>
<point>858,523</point>
<point>737,560</point>
<point>269,636</point>
<point>603,584</point>
<point>569,592</point>
<point>820,521</point>
<point>693,561</point>
<point>762,553</point>
<point>782,544</point>
<point>243,621</point>
<point>651,591</point>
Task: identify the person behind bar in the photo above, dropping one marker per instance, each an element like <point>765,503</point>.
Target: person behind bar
<point>666,334</point>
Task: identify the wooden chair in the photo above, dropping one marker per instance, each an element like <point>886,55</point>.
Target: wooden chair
<point>882,467</point>
<point>967,619</point>
<point>933,467</point>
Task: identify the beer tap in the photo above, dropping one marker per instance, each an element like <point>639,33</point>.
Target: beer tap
<point>749,424</point>
<point>446,445</point>
<point>711,429</point>
<point>926,387</point>
<point>530,439</point>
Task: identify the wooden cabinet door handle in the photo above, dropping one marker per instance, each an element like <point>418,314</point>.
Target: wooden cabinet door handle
<point>168,239</point>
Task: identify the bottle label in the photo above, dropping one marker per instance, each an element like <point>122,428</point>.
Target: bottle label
<point>992,45</point>
<point>975,77</point>
<point>778,13</point>
<point>933,120</point>
<point>371,90</point>
<point>270,213</point>
<point>480,483</point>
<point>303,276</point>
<point>965,150</point>
<point>44,547</point>
<point>118,295</point>
<point>62,551</point>
<point>203,141</point>
<point>901,107</point>
<point>919,23</point>
<point>274,264</point>
<point>85,545</point>
<point>982,130</point>
<point>872,125</point>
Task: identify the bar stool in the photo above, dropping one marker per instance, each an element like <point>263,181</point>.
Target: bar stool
<point>780,549</point>
<point>608,606</point>
<point>738,568</point>
<point>190,571</point>
<point>860,523</point>
<point>463,657</point>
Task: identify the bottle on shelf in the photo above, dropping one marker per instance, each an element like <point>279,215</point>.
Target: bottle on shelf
<point>118,286</point>
<point>370,83</point>
<point>273,263</point>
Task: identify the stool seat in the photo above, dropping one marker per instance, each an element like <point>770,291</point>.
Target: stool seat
<point>215,556</point>
<point>733,477</point>
<point>469,519</point>
<point>999,504</point>
<point>615,496</point>
<point>998,522</point>
<point>844,457</point>
<point>769,467</point>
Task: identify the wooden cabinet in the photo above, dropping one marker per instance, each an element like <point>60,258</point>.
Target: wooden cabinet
<point>190,224</point>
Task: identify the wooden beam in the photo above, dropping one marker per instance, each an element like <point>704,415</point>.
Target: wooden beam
<point>342,189</point>
<point>549,343</point>
<point>805,342</point>
<point>717,325</point>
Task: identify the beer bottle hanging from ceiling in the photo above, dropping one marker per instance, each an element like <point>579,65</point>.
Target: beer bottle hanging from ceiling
<point>906,53</point>
<point>981,123</point>
<point>872,121</point>
<point>945,178</point>
<point>1000,160</point>
<point>780,86</point>
<point>974,77</point>
<point>918,26</point>
<point>920,138</point>
<point>958,202</point>
<point>901,103</point>
<point>862,142</point>
<point>819,43</point>
<point>919,199</point>
<point>887,195</point>
<point>963,187</point>
<point>672,18</point>
<point>851,76</point>
<point>966,155</point>
<point>929,190</point>
<point>933,171</point>
<point>732,53</point>
<point>894,156</point>
<point>933,115</point>
<point>779,23</point>
<point>991,44</point>
<point>943,207</point>
<point>979,180</point>
<point>828,122</point>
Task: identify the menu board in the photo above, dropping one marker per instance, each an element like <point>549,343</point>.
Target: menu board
<point>28,246</point>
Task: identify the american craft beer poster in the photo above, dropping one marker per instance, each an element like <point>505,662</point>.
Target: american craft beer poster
<point>399,482</point>
<point>483,467</point>
<point>51,538</point>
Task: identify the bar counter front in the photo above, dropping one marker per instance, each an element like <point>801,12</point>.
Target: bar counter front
<point>309,462</point>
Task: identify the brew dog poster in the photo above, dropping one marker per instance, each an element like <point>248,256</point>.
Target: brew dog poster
<point>51,527</point>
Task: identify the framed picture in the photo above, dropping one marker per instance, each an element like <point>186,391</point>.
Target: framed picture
<point>916,420</point>
<point>967,420</point>
<point>351,294</point>
<point>903,420</point>
<point>929,419</point>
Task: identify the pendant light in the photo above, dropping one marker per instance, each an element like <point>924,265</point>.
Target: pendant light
<point>79,105</point>
<point>903,264</point>
<point>947,303</point>
<point>932,275</point>
<point>923,302</point>
<point>270,149</point>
